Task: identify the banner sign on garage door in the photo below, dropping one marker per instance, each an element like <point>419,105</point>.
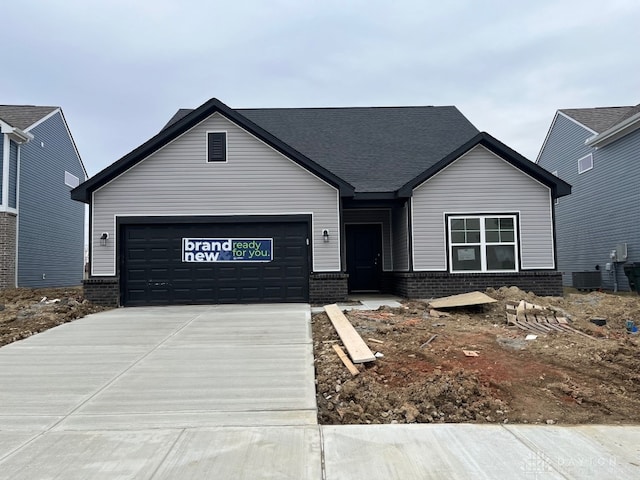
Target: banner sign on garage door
<point>203,250</point>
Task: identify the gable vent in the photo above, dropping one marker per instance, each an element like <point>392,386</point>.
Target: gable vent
<point>217,146</point>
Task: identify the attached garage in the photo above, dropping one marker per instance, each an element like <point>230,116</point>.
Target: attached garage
<point>160,265</point>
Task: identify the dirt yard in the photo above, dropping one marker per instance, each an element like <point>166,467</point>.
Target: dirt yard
<point>557,378</point>
<point>25,312</point>
<point>561,377</point>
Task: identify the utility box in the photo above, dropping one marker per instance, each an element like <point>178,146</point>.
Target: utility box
<point>621,253</point>
<point>587,280</point>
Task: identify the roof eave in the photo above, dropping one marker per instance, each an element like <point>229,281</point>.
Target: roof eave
<point>17,135</point>
<point>614,133</point>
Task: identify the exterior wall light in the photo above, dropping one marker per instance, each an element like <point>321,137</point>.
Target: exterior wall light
<point>325,235</point>
<point>103,238</point>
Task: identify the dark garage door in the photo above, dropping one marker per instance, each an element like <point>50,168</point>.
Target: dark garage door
<point>153,273</point>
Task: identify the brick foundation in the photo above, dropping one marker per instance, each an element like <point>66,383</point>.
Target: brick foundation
<point>441,284</point>
<point>102,291</point>
<point>328,287</point>
<point>8,223</point>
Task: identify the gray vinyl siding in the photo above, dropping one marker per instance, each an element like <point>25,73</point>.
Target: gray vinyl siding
<point>602,210</point>
<point>481,182</point>
<point>381,217</point>
<point>177,180</point>
<point>50,224</point>
<point>13,174</point>
<point>400,224</point>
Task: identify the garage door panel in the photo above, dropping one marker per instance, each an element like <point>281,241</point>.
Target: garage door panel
<point>153,272</point>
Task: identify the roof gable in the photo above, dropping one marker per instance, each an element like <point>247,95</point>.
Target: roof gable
<point>185,123</point>
<point>558,187</point>
<point>23,116</point>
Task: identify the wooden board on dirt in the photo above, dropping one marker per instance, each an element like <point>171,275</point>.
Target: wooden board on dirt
<point>353,342</point>
<point>347,363</point>
<point>462,300</point>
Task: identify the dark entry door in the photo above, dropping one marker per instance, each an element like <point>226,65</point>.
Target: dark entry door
<point>364,257</point>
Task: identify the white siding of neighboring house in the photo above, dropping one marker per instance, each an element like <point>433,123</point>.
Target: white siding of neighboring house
<point>481,182</point>
<point>178,181</point>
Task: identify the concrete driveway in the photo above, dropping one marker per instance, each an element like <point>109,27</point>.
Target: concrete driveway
<point>227,392</point>
<point>117,394</point>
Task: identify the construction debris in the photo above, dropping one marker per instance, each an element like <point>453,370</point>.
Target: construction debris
<point>539,319</point>
<point>357,349</point>
<point>429,341</point>
<point>462,300</point>
<point>470,353</point>
<point>347,363</point>
<point>374,340</point>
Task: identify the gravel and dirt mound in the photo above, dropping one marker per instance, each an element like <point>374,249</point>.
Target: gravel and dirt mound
<point>25,311</point>
<point>556,378</point>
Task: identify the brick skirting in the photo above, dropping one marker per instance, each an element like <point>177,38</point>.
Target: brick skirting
<point>102,291</point>
<point>328,287</point>
<point>440,284</point>
<point>7,250</point>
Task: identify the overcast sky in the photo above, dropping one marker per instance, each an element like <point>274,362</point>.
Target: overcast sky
<point>121,68</point>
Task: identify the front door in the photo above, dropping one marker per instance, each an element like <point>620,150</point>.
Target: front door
<point>364,257</point>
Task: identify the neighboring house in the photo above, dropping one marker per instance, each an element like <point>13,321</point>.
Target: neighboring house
<point>41,228</point>
<point>596,150</point>
<point>308,204</point>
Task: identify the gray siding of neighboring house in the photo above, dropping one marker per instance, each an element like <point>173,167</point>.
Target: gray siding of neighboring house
<point>13,174</point>
<point>381,216</point>
<point>400,222</point>
<point>50,224</point>
<point>177,180</point>
<point>602,210</point>
<point>481,182</point>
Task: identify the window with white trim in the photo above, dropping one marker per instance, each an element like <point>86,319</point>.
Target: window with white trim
<point>585,164</point>
<point>71,180</point>
<point>482,243</point>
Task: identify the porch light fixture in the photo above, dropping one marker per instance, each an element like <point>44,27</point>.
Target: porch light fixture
<point>325,235</point>
<point>103,238</point>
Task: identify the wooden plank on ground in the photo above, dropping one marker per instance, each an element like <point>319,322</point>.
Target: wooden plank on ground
<point>347,363</point>
<point>462,300</point>
<point>353,342</point>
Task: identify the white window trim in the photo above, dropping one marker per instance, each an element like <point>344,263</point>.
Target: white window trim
<point>70,180</point>
<point>581,171</point>
<point>483,243</point>
<point>226,147</point>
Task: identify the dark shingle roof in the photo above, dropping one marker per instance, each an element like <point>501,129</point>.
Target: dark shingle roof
<point>23,116</point>
<point>375,149</point>
<point>601,118</point>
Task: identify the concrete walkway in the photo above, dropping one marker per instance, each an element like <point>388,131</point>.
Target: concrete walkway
<point>227,392</point>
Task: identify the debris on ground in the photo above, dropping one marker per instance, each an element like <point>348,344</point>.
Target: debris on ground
<point>347,363</point>
<point>353,342</point>
<point>26,311</point>
<point>528,316</point>
<point>462,300</point>
<point>560,377</point>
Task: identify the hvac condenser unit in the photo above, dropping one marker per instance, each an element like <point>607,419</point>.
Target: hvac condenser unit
<point>587,280</point>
